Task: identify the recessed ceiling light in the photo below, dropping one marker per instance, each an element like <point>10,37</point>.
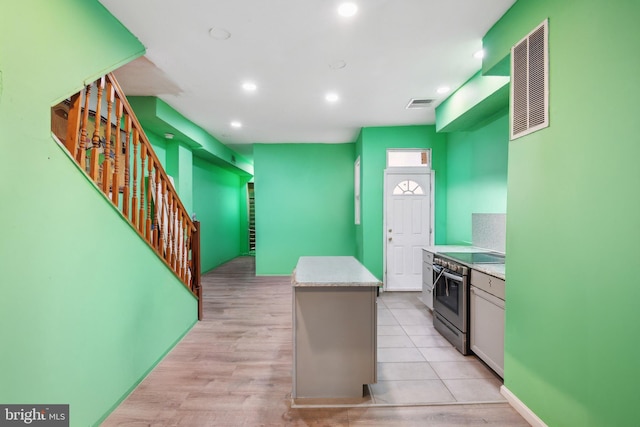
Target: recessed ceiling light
<point>168,135</point>
<point>236,124</point>
<point>479,54</point>
<point>347,9</point>
<point>443,89</point>
<point>249,86</point>
<point>332,97</point>
<point>219,33</point>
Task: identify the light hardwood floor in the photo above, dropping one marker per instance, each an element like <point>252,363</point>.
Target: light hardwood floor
<point>234,369</point>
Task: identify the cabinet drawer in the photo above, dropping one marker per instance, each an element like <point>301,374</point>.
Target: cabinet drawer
<point>489,284</point>
<point>427,257</point>
<point>427,274</point>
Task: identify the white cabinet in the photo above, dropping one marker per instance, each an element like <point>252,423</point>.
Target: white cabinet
<point>427,279</point>
<point>487,304</point>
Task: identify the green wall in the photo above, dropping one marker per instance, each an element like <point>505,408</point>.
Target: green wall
<point>86,307</point>
<point>573,204</point>
<point>159,146</point>
<point>476,176</point>
<point>208,180</point>
<point>372,146</point>
<point>304,203</point>
<point>218,196</point>
<point>180,168</point>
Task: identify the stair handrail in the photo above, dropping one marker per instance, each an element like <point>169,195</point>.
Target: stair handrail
<point>158,214</point>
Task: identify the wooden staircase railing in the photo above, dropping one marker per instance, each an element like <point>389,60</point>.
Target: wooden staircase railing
<point>101,132</point>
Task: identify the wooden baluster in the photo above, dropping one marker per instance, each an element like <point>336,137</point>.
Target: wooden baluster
<point>81,155</point>
<point>73,124</point>
<point>156,207</point>
<point>176,235</point>
<point>180,243</point>
<point>150,190</point>
<point>176,223</point>
<point>184,246</point>
<point>161,221</point>
<point>186,260</point>
<point>115,181</point>
<point>191,259</point>
<point>106,163</point>
<point>127,165</point>
<point>196,284</point>
<point>172,258</point>
<point>185,250</point>
<point>93,165</point>
<point>141,213</point>
<point>169,223</point>
<point>134,199</point>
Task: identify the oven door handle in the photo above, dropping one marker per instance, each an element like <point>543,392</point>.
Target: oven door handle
<point>452,276</point>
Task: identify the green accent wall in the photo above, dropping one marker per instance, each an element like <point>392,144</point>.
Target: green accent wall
<point>476,176</point>
<point>209,177</point>
<point>573,219</point>
<point>180,168</point>
<point>372,145</point>
<point>86,308</point>
<point>304,203</point>
<point>159,147</point>
<point>218,196</point>
<point>476,103</point>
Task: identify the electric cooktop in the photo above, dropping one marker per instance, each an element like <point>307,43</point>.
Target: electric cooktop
<point>476,257</point>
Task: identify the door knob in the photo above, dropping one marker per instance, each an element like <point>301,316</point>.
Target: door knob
<point>390,238</point>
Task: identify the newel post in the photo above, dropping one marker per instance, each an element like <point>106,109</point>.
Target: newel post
<point>195,251</point>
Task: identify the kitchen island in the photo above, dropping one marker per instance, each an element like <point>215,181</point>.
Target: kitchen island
<point>334,328</point>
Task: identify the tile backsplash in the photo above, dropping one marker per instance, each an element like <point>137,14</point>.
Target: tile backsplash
<point>489,231</point>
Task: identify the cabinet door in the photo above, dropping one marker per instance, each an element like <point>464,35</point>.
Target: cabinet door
<point>487,328</point>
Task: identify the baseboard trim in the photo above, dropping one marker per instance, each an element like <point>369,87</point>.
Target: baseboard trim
<point>521,408</point>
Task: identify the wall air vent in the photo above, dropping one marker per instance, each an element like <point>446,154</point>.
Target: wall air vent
<point>419,103</point>
<point>530,83</point>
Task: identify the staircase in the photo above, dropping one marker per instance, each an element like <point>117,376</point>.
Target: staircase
<point>103,136</point>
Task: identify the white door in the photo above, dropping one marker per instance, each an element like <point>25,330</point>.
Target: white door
<point>407,228</point>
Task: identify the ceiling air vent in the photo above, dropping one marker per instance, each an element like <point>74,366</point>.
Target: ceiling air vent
<point>419,103</point>
<point>530,83</point>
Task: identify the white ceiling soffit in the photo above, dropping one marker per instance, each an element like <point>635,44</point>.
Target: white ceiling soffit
<point>297,51</point>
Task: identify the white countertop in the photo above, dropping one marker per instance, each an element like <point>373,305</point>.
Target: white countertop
<point>314,271</point>
<point>453,248</point>
<point>496,270</point>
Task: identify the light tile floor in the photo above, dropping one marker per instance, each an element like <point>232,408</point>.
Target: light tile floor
<point>416,365</point>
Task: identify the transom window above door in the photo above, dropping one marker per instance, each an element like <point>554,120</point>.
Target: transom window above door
<point>409,157</point>
<point>408,187</point>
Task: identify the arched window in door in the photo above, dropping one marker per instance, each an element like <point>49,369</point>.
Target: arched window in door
<point>408,187</point>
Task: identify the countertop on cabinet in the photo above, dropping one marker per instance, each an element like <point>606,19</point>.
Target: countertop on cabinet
<point>331,271</point>
<point>453,248</point>
<point>495,270</point>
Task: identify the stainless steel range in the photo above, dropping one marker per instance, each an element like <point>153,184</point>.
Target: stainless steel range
<point>451,273</point>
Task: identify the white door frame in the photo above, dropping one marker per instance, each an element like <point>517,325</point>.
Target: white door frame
<point>404,171</point>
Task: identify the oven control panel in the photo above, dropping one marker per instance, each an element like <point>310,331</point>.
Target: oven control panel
<point>451,266</point>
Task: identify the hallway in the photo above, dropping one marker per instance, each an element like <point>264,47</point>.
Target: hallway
<point>234,369</point>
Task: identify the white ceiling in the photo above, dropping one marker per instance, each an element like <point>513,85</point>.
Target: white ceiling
<point>394,50</point>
